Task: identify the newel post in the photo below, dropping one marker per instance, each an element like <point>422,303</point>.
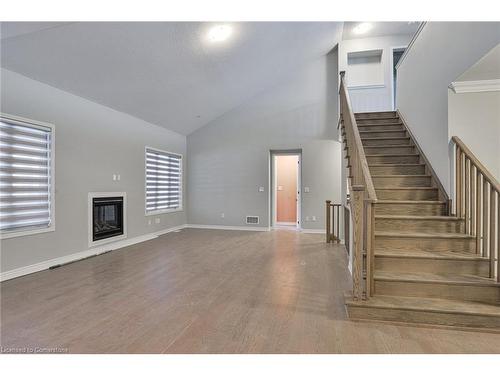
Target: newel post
<point>328,225</point>
<point>357,203</point>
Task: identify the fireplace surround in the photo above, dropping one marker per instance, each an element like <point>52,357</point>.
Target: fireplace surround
<point>107,217</point>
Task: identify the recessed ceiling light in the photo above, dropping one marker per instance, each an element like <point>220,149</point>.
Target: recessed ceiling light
<point>219,33</point>
<point>362,28</point>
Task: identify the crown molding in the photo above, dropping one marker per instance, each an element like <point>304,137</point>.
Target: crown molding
<point>475,86</point>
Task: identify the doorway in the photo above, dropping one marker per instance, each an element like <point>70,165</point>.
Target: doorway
<point>397,52</point>
<point>286,189</point>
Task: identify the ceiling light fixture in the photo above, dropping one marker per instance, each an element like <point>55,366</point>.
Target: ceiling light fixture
<point>219,33</point>
<point>362,28</point>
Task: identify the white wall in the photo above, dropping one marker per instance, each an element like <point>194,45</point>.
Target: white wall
<point>379,96</point>
<point>475,118</point>
<point>229,158</point>
<point>442,51</point>
<point>92,143</point>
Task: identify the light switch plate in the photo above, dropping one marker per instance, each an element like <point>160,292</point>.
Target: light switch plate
<point>306,189</point>
<point>261,189</point>
<point>280,188</point>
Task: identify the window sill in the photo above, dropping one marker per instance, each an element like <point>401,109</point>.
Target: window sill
<point>21,233</point>
<point>167,211</point>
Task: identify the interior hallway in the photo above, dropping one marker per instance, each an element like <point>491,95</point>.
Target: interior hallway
<point>210,291</point>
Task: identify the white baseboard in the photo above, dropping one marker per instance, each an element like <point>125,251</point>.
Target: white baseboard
<point>170,230</point>
<point>316,231</point>
<point>226,227</point>
<point>17,272</point>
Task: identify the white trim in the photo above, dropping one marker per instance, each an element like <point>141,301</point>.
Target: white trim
<point>412,41</point>
<point>22,271</point>
<point>272,209</point>
<point>391,63</point>
<point>170,230</point>
<point>484,85</point>
<point>314,231</point>
<point>226,227</point>
<point>21,233</point>
<point>93,195</point>
<point>366,87</point>
<point>52,201</point>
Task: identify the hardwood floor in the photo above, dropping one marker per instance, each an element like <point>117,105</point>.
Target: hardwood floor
<point>210,291</point>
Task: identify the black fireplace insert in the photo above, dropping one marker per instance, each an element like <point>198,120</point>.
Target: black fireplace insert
<point>107,217</point>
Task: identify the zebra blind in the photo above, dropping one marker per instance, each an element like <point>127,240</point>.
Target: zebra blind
<point>163,181</point>
<point>25,176</point>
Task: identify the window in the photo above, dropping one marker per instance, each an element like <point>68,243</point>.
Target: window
<point>163,181</point>
<point>26,177</point>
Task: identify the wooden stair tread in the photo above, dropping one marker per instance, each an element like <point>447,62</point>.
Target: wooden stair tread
<point>407,201</point>
<point>423,254</point>
<point>436,278</point>
<point>385,139</point>
<point>395,164</point>
<point>377,118</point>
<point>429,305</point>
<point>423,235</point>
<point>406,188</point>
<point>370,124</point>
<point>386,146</point>
<point>381,131</point>
<point>373,112</point>
<point>401,175</point>
<point>409,217</point>
<point>394,155</point>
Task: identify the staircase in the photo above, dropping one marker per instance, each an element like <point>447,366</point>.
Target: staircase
<point>421,265</point>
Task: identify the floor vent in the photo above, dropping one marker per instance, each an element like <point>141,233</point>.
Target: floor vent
<point>252,220</point>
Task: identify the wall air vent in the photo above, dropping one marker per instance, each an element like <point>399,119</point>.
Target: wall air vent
<point>252,220</point>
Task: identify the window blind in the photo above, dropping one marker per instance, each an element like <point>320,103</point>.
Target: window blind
<point>163,181</point>
<point>25,176</point>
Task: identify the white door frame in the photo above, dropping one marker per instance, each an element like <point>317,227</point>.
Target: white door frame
<point>272,198</point>
<point>391,59</point>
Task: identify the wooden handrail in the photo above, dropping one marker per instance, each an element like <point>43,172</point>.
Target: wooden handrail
<point>359,149</point>
<point>363,198</point>
<point>477,201</point>
<point>486,174</point>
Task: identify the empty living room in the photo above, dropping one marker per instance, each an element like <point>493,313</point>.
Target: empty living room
<point>208,180</point>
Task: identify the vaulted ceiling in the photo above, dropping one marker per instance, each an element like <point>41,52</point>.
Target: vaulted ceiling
<point>167,73</point>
